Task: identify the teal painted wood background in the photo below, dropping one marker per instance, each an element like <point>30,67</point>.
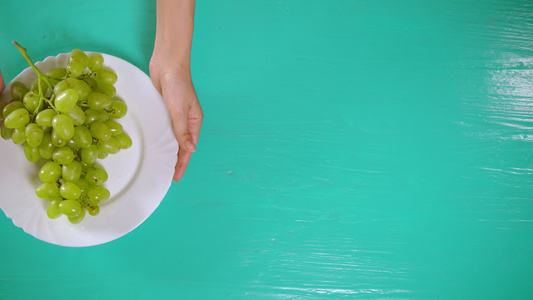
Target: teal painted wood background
<point>350,150</point>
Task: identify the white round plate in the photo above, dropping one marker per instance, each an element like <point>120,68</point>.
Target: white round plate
<point>139,177</point>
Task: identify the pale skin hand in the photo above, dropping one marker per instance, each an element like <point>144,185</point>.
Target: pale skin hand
<point>2,85</point>
<point>171,76</point>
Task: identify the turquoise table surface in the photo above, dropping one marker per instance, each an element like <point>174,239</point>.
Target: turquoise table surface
<point>350,150</point>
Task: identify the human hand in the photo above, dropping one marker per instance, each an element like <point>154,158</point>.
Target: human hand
<point>171,75</point>
<point>2,84</point>
<point>176,87</point>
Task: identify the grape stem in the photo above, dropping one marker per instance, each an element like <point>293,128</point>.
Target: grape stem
<point>49,101</point>
<point>24,53</point>
<point>40,98</point>
<point>40,74</point>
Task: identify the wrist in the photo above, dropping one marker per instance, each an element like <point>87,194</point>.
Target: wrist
<point>170,58</point>
<point>174,29</point>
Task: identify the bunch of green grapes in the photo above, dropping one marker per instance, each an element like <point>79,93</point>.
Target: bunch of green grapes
<point>66,120</point>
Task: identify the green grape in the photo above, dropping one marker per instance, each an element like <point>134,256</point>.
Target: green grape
<point>2,105</point>
<point>117,109</point>
<point>124,140</point>
<point>82,136</point>
<point>19,135</point>
<point>11,106</point>
<point>106,88</point>
<point>77,218</point>
<point>97,195</point>
<point>46,148</point>
<point>89,154</point>
<point>6,133</point>
<point>69,191</point>
<point>50,172</point>
<point>47,190</point>
<point>53,81</point>
<point>100,131</point>
<point>79,56</point>
<point>110,146</point>
<point>73,145</point>
<point>57,141</point>
<point>44,118</point>
<point>96,176</point>
<point>83,90</point>
<point>35,86</point>
<point>31,101</point>
<point>34,134</point>
<point>63,155</point>
<point>17,118</point>
<point>102,155</point>
<point>91,82</point>
<point>75,69</point>
<point>78,115</point>
<point>115,127</point>
<point>93,210</point>
<point>91,116</point>
<point>66,100</point>
<point>102,115</point>
<point>18,90</point>
<point>117,98</point>
<point>95,115</point>
<point>63,126</point>
<point>85,166</point>
<point>31,153</point>
<point>96,60</point>
<point>65,84</point>
<point>57,73</point>
<point>107,76</point>
<point>83,185</point>
<point>52,211</point>
<point>70,207</point>
<point>97,100</point>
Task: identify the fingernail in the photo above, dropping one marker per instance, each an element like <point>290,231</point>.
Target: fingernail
<point>190,146</point>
